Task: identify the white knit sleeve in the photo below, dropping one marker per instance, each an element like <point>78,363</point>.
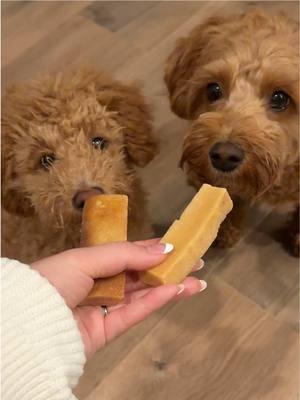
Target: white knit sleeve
<point>42,350</point>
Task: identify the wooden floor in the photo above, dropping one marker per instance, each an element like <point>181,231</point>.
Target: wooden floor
<point>239,339</point>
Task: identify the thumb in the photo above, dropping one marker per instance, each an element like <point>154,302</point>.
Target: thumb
<point>113,258</point>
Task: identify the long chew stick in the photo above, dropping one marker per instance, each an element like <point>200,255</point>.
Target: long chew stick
<point>191,235</point>
<point>104,220</point>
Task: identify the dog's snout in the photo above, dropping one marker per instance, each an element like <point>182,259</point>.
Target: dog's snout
<point>82,195</point>
<point>226,156</point>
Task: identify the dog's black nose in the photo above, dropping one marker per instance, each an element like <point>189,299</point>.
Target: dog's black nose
<point>226,156</point>
<point>82,195</point>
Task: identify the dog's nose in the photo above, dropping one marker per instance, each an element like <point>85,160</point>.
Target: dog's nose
<point>82,195</point>
<point>226,156</point>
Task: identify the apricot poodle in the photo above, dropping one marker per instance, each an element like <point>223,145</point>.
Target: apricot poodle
<point>236,79</point>
<point>66,137</point>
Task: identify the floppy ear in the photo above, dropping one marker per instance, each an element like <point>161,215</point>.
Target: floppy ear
<point>13,198</point>
<point>132,114</point>
<point>182,64</point>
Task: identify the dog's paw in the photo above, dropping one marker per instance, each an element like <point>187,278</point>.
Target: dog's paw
<point>227,237</point>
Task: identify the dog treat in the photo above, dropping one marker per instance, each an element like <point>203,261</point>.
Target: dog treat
<point>106,291</point>
<point>191,235</point>
<point>105,220</point>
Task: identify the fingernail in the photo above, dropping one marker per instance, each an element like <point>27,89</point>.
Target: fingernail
<point>161,248</point>
<point>200,265</point>
<point>203,285</point>
<point>180,288</point>
<point>168,248</point>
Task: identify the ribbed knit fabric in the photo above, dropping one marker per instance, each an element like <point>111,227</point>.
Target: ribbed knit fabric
<point>42,351</point>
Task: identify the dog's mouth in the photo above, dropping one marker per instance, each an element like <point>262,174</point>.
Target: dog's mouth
<point>82,195</point>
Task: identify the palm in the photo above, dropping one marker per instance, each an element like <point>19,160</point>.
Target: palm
<point>140,301</point>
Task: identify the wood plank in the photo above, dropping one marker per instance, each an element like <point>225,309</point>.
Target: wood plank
<point>262,270</point>
<point>52,53</point>
<point>107,359</point>
<point>114,15</point>
<point>215,346</point>
<point>9,8</point>
<point>291,8</point>
<point>34,20</point>
<point>159,21</point>
<point>289,314</point>
<point>164,179</point>
<point>253,217</point>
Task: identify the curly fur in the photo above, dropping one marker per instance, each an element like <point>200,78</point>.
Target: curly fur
<point>250,56</point>
<point>61,114</point>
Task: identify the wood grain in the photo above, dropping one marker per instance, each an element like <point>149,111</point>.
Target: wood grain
<point>218,345</point>
<point>104,362</point>
<point>52,53</point>
<point>260,269</point>
<point>289,314</point>
<point>116,14</point>
<point>26,23</point>
<point>157,23</point>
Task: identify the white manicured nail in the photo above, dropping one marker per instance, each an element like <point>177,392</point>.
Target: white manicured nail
<point>201,265</point>
<point>168,248</point>
<point>203,285</point>
<point>160,248</point>
<point>180,288</point>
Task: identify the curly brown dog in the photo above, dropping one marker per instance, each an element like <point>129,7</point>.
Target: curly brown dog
<point>236,79</point>
<point>64,138</point>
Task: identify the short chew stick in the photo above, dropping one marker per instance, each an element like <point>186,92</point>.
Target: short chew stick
<point>191,235</point>
<point>104,220</point>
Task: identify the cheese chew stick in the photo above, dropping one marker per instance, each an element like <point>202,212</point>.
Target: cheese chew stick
<point>104,220</point>
<point>191,235</point>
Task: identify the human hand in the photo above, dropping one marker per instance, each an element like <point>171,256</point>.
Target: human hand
<point>73,272</point>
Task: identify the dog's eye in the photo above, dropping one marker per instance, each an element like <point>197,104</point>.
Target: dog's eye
<point>213,91</point>
<point>279,100</point>
<point>47,160</point>
<point>100,143</point>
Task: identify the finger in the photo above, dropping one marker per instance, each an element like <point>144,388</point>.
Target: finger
<point>133,282</point>
<point>112,258</point>
<point>123,318</point>
<point>148,242</point>
<point>191,286</point>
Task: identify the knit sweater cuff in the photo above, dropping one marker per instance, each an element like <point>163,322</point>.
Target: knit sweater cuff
<point>42,350</point>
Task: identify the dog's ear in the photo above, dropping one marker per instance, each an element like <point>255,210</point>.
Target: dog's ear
<point>134,116</point>
<point>13,198</point>
<point>182,64</point>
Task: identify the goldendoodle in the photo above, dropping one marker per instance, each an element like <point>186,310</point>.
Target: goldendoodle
<point>66,137</point>
<point>236,79</point>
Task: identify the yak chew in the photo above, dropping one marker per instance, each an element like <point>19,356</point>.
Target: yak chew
<point>104,220</point>
<point>191,235</point>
